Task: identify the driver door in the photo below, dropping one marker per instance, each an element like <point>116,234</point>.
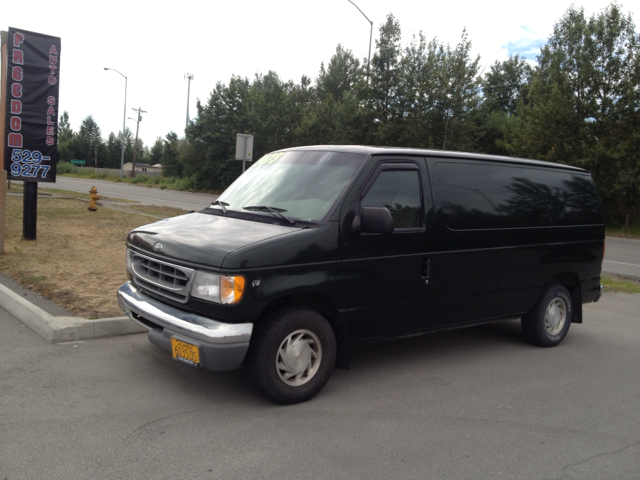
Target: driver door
<point>387,275</point>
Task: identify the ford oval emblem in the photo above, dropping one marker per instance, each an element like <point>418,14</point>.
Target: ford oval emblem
<point>157,246</point>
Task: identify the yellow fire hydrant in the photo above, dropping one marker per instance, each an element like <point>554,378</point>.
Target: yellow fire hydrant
<point>93,198</point>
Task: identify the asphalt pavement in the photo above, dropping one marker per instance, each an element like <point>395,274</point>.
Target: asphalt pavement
<point>475,403</point>
<point>622,257</point>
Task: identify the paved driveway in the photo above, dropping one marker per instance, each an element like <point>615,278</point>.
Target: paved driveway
<point>476,403</point>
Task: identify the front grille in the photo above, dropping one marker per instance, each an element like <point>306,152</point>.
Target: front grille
<point>170,281</point>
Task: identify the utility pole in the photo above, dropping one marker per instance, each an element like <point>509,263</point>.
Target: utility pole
<point>190,77</point>
<point>135,144</point>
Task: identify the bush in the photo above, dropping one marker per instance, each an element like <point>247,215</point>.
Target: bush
<point>140,179</point>
<point>64,167</point>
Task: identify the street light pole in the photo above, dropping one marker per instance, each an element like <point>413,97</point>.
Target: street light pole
<point>370,37</point>
<point>190,77</point>
<point>124,119</point>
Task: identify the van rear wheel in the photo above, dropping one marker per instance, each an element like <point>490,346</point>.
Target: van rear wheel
<point>548,322</point>
<point>292,356</point>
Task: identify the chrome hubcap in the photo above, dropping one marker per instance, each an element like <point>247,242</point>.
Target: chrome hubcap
<point>298,357</point>
<point>556,316</point>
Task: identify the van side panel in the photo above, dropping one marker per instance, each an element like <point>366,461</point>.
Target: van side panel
<point>503,231</point>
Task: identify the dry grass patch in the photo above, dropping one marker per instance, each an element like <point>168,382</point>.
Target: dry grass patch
<point>77,260</point>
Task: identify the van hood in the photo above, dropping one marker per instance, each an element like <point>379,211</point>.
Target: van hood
<point>202,239</point>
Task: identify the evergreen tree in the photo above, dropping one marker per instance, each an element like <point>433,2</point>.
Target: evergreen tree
<point>584,104</point>
<point>65,132</point>
<point>170,156</point>
<point>384,94</point>
<point>155,154</point>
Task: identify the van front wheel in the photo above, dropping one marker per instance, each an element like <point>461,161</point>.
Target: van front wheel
<point>293,353</point>
<point>547,323</point>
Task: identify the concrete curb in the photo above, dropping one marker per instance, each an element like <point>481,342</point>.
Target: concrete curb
<point>64,329</point>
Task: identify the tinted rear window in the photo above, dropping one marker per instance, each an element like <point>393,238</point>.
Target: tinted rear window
<point>481,196</point>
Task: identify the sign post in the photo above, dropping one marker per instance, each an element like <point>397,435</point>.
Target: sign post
<point>244,148</point>
<point>30,136</point>
<point>3,113</point>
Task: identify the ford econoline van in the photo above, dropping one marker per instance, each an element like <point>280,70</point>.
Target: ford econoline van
<point>315,249</point>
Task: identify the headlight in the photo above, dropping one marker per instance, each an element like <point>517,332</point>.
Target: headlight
<point>223,289</point>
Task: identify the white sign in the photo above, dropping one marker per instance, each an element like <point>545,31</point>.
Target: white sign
<point>244,147</point>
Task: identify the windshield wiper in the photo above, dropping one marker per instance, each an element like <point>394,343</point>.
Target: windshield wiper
<point>274,210</point>
<point>222,205</point>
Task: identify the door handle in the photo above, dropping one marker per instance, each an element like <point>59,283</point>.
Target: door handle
<point>426,267</point>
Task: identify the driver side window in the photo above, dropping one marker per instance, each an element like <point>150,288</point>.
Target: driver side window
<point>399,192</point>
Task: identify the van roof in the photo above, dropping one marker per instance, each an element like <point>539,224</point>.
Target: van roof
<point>374,150</point>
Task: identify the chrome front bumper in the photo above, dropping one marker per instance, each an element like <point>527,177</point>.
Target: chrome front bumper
<point>224,345</point>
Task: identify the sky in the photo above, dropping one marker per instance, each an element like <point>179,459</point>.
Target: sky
<point>156,44</point>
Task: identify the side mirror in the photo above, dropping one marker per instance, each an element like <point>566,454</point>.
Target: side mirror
<point>376,220</point>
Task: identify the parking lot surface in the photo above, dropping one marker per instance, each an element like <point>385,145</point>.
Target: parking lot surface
<point>471,403</point>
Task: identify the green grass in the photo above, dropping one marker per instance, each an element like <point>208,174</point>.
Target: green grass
<point>632,231</point>
<point>615,285</point>
<point>31,279</point>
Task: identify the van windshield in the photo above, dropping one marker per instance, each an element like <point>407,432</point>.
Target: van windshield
<point>300,185</point>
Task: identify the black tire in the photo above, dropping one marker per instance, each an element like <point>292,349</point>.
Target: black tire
<point>548,322</point>
<point>292,354</point>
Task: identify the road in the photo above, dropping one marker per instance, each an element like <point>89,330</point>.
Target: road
<point>474,403</point>
<point>141,194</point>
<point>622,256</point>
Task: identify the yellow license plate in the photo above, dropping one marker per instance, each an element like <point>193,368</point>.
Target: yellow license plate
<point>185,352</point>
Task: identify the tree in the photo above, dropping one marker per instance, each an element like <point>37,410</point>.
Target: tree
<point>85,144</point>
<point>340,76</point>
<point>114,149</point>
<point>440,95</point>
<point>583,105</point>
<point>461,86</point>
<point>336,113</point>
<point>208,155</point>
<point>170,156</point>
<point>155,154</point>
<point>114,154</point>
<point>384,95</point>
<point>270,111</point>
<point>504,86</point>
<point>65,133</point>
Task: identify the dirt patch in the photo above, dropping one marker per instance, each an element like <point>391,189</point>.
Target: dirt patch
<point>77,260</point>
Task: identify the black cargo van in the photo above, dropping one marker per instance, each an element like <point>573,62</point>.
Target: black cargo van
<point>314,249</point>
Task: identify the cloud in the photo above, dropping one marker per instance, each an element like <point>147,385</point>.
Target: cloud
<point>528,48</point>
<point>528,29</point>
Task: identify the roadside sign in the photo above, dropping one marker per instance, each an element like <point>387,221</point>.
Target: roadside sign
<point>244,148</point>
<point>79,162</point>
<point>30,94</point>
